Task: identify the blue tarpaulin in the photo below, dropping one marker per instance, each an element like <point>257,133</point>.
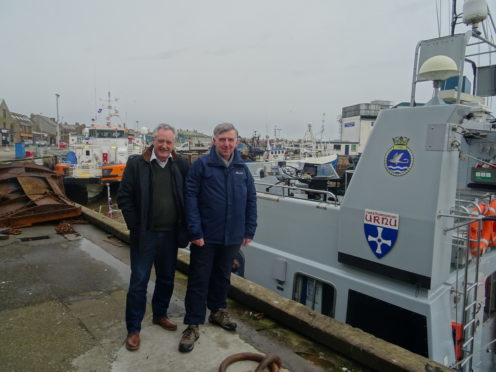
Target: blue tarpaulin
<point>20,151</point>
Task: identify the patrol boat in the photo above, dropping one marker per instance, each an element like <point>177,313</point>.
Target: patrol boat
<point>408,253</point>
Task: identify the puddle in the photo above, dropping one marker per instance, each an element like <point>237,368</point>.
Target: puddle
<point>101,255</point>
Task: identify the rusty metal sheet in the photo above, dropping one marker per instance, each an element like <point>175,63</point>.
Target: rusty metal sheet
<point>8,187</point>
<point>34,185</point>
<point>38,190</point>
<point>30,193</point>
<point>12,206</point>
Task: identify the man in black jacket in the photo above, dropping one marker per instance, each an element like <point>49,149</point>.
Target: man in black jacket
<point>151,199</point>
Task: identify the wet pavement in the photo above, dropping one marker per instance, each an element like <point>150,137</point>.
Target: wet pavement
<point>62,308</point>
<point>6,153</point>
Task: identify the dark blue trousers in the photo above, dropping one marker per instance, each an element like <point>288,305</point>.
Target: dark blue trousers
<point>209,278</point>
<point>157,248</point>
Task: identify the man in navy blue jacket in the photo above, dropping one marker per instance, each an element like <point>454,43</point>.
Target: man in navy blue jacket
<point>221,214</point>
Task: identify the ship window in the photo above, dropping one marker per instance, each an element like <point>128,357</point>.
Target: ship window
<point>315,294</point>
<point>337,147</point>
<point>353,147</point>
<point>310,170</point>
<point>490,291</point>
<point>107,133</point>
<point>389,322</point>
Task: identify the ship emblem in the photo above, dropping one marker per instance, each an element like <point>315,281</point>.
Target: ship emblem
<point>381,231</point>
<point>399,158</point>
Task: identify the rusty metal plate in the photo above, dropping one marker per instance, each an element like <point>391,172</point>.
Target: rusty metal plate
<point>34,185</point>
<point>30,193</point>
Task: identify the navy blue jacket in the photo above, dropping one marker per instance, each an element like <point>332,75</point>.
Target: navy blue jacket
<point>135,192</point>
<point>220,203</point>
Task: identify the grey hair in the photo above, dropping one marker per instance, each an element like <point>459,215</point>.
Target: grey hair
<point>224,127</point>
<point>165,127</point>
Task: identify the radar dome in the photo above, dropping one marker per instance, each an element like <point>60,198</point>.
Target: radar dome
<point>474,11</point>
<point>438,68</point>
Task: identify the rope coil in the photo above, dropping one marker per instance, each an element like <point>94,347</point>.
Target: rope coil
<point>270,361</point>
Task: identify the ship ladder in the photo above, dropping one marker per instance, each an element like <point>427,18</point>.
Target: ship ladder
<point>471,305</point>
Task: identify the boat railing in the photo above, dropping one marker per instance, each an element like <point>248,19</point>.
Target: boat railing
<point>323,195</point>
<point>467,215</point>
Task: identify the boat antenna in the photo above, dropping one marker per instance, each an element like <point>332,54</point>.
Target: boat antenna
<point>112,111</point>
<point>454,17</point>
<point>438,17</point>
<point>323,127</point>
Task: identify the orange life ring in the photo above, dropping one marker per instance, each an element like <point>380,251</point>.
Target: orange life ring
<point>487,236</point>
<point>491,211</point>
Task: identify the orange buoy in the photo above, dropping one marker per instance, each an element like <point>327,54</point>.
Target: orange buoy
<point>456,329</point>
<point>487,235</point>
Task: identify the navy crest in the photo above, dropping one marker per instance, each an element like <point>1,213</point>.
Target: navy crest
<point>399,158</point>
<point>381,231</point>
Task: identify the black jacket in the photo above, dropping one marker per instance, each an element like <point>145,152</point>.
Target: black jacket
<point>135,193</point>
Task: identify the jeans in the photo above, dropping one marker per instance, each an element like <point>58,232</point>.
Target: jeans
<point>157,248</point>
<point>208,280</point>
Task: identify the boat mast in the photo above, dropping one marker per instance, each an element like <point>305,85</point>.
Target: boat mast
<point>111,111</point>
<point>454,17</point>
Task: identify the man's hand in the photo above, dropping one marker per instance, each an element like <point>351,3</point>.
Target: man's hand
<point>199,242</point>
<point>246,241</point>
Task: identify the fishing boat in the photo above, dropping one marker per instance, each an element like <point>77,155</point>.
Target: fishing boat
<point>408,254</point>
<point>275,151</point>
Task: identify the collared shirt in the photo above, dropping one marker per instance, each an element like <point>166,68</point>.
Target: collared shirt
<point>161,163</point>
<point>227,163</point>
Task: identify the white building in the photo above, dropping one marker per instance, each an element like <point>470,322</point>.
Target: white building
<point>355,126</point>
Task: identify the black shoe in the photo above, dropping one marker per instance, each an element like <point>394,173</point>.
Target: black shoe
<point>190,335</point>
<point>222,318</point>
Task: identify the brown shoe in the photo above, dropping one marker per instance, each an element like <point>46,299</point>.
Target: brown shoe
<point>165,323</point>
<point>190,335</point>
<point>222,318</point>
<point>133,341</point>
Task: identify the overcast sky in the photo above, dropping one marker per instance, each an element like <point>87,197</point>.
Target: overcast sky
<point>195,63</point>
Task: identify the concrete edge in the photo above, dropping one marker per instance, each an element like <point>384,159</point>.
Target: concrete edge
<point>353,343</point>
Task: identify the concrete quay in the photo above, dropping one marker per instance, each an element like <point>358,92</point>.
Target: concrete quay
<point>62,302</point>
